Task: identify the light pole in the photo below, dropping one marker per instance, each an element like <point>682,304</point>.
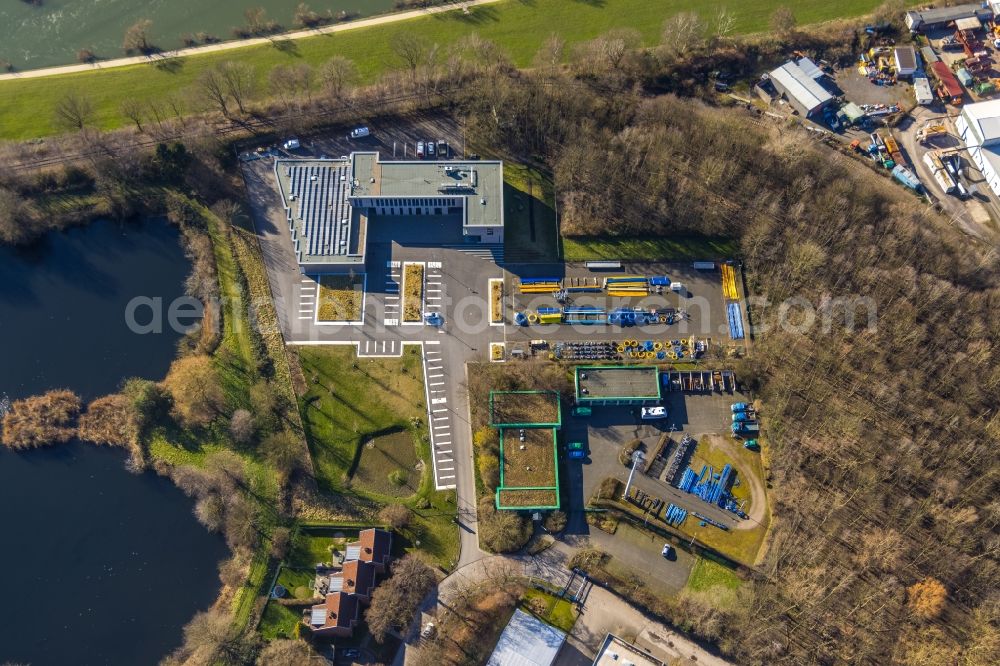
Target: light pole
<point>636,459</point>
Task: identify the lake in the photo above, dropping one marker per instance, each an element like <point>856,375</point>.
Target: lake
<point>52,32</point>
<point>101,566</point>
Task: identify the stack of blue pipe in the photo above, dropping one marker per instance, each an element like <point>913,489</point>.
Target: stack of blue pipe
<point>674,515</point>
<point>687,480</point>
<point>735,321</point>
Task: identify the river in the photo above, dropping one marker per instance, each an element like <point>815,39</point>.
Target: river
<point>52,31</point>
<point>101,566</point>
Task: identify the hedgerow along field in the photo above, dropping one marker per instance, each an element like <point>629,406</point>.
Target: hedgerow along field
<point>520,28</point>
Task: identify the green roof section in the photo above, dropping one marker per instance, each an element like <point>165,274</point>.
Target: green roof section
<point>529,469</point>
<point>525,409</point>
<point>617,384</point>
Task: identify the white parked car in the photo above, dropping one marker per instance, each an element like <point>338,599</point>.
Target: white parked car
<point>291,144</point>
<point>651,413</point>
<point>360,132</point>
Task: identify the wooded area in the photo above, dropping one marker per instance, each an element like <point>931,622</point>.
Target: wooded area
<point>883,462</point>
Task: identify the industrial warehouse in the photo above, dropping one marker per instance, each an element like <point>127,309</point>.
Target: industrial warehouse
<point>329,203</point>
<point>979,127</point>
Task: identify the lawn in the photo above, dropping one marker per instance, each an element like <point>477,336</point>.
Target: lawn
<point>341,297</point>
<point>26,105</point>
<point>278,621</point>
<point>650,248</point>
<point>560,613</point>
<point>413,291</point>
<point>524,407</point>
<point>350,400</point>
<point>707,575</point>
<point>532,231</point>
<point>388,465</point>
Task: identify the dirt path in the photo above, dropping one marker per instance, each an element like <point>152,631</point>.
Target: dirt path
<point>239,44</point>
<point>758,508</point>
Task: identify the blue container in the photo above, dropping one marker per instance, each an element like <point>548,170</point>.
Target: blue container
<point>520,319</point>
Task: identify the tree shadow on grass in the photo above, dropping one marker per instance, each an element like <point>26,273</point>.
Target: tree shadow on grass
<point>287,46</point>
<point>166,64</point>
<point>474,16</point>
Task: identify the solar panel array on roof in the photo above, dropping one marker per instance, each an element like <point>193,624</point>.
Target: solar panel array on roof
<point>325,214</point>
<point>352,553</point>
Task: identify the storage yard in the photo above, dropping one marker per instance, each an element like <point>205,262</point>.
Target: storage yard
<point>642,312</point>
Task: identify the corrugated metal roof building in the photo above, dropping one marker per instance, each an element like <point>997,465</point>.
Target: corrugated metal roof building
<point>979,127</point>
<point>527,641</point>
<point>923,19</point>
<point>801,90</point>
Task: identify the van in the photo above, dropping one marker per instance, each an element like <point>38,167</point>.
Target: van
<point>291,144</point>
<point>359,133</point>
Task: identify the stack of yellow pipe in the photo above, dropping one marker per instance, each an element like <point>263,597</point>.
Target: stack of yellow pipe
<point>729,283</point>
<point>540,288</point>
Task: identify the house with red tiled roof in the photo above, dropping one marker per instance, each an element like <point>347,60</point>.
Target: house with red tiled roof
<point>356,578</point>
<point>350,588</point>
<point>337,616</point>
<point>374,545</point>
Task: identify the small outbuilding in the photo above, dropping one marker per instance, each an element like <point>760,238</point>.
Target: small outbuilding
<point>905,60</point>
<point>922,90</point>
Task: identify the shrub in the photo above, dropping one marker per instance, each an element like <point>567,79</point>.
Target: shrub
<point>109,420</point>
<point>502,531</point>
<point>555,522</point>
<point>396,516</point>
<point>41,420</point>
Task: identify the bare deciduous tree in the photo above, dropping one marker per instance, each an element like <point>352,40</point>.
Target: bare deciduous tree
<point>337,74</point>
<point>783,20</point>
<point>137,37</point>
<point>74,111</point>
<point>682,33</point>
<point>411,48</point>
<point>238,79</point>
<point>132,109</point>
<point>212,85</point>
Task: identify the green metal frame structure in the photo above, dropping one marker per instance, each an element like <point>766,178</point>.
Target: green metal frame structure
<point>555,488</point>
<point>555,396</point>
<point>617,400</point>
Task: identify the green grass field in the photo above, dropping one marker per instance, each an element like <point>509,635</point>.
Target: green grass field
<point>661,248</point>
<point>26,105</point>
<point>560,613</point>
<point>351,401</point>
<point>707,574</point>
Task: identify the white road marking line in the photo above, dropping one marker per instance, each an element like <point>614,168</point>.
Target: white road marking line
<point>437,411</point>
<point>440,418</point>
<point>442,443</point>
<point>305,318</point>
<point>451,476</point>
<point>437,383</point>
<point>440,374</point>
